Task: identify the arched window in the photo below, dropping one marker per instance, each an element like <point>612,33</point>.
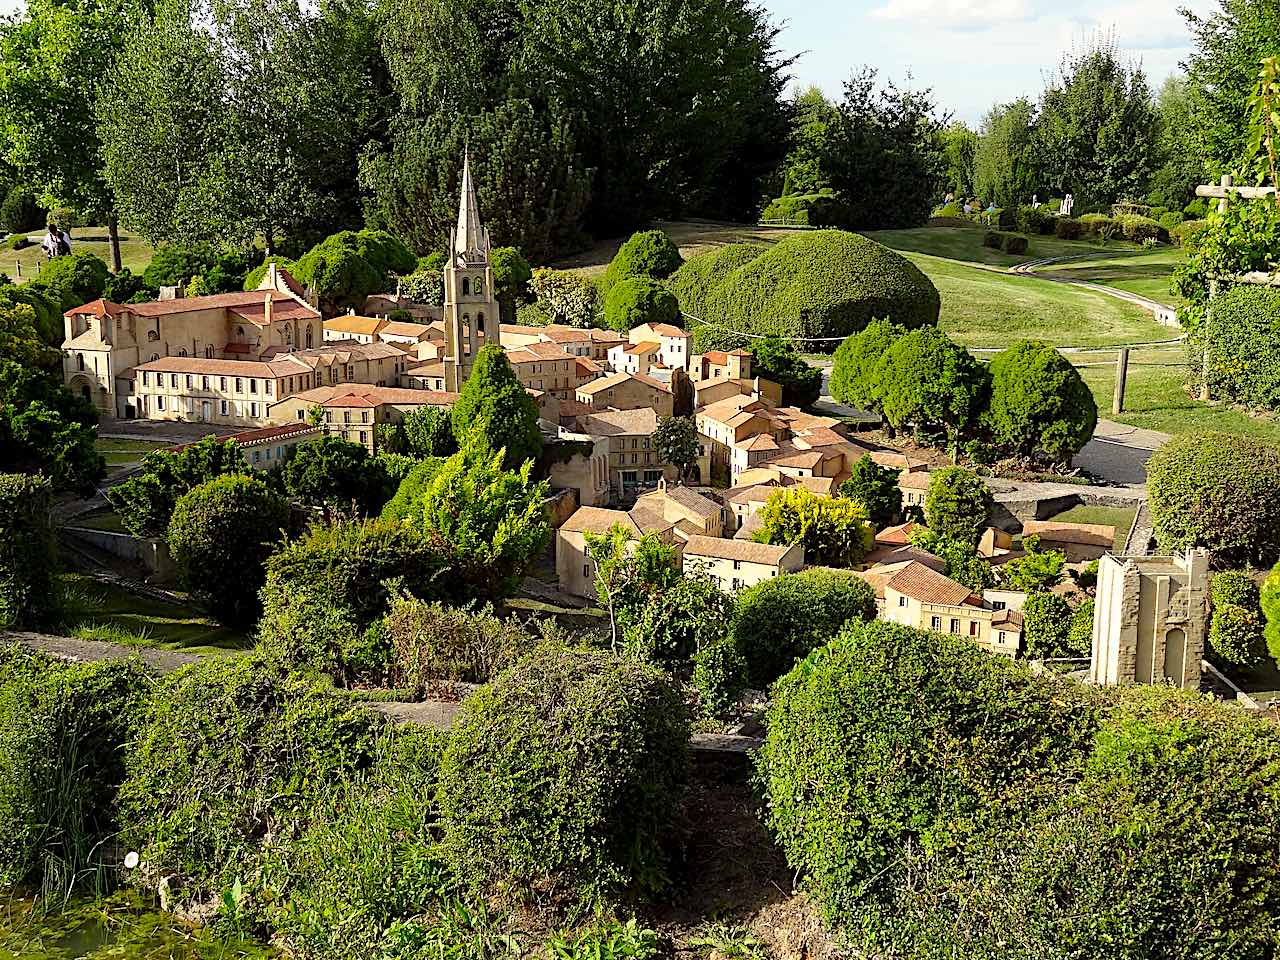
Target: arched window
<point>466,286</point>
<point>182,351</point>
<point>479,320</point>
<point>479,287</point>
<point>288,335</point>
<point>308,336</point>
<point>153,334</point>
<point>208,351</point>
<point>80,360</point>
<point>466,321</point>
<point>84,392</point>
<point>155,356</point>
<point>239,331</point>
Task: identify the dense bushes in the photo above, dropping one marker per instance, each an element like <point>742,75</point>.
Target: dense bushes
<point>957,505</point>
<point>820,284</point>
<point>432,642</point>
<point>63,727</point>
<point>971,809</point>
<point>1137,228</point>
<point>649,253</point>
<point>1246,347</point>
<point>220,536</point>
<point>231,754</point>
<point>1236,629</point>
<point>144,503</point>
<point>1067,229</point>
<point>1219,491</point>
<point>781,620</point>
<point>565,296</point>
<point>563,778</point>
<point>633,301</point>
<point>855,371</point>
<point>693,282</point>
<point>1002,240</point>
<point>74,279</point>
<point>821,209</point>
<point>834,532</point>
<point>1039,403</point>
<point>19,210</point>
<point>1035,220</point>
<point>931,384</point>
<point>28,582</point>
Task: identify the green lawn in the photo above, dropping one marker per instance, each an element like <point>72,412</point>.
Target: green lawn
<point>109,522</point>
<point>965,244</point>
<point>987,308</point>
<point>99,611</point>
<point>118,453</point>
<point>1119,517</point>
<point>1145,273</point>
<point>135,253</point>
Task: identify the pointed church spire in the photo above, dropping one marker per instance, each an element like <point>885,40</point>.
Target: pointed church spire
<point>470,238</point>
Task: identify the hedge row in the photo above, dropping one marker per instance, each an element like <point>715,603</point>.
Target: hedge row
<point>969,808</point>
<point>1245,326</point>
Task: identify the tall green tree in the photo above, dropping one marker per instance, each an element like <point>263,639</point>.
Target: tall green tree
<point>959,148</point>
<point>1004,163</point>
<point>494,408</point>
<point>812,117</point>
<point>932,385</point>
<point>1097,135</point>
<point>145,502</point>
<point>53,57</point>
<point>835,532</point>
<point>676,441</point>
<point>1222,71</point>
<point>230,120</point>
<point>1181,162</point>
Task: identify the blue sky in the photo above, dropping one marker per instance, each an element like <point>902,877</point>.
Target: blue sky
<point>972,52</point>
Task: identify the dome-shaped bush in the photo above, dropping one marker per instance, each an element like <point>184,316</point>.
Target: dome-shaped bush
<point>638,300</point>
<point>693,282</point>
<point>649,253</point>
<point>823,284</point>
<point>563,778</point>
<point>1219,491</point>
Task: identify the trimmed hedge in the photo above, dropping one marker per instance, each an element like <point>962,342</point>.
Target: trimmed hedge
<point>821,284</point>
<point>1220,491</point>
<point>28,554</point>
<point>649,253</point>
<point>1245,322</point>
<point>1066,228</point>
<point>63,730</point>
<point>633,301</point>
<point>1036,220</point>
<point>563,779</point>
<point>1139,228</point>
<point>779,621</point>
<point>692,283</point>
<point>821,209</point>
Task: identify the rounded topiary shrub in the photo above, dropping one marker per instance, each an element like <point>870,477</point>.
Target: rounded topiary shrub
<point>649,253</point>
<point>855,371</point>
<point>1040,405</point>
<point>1219,491</point>
<point>220,535</point>
<point>1246,347</point>
<point>823,284</point>
<point>700,275</point>
<point>891,745</point>
<point>563,779</point>
<point>637,300</point>
<point>780,620</point>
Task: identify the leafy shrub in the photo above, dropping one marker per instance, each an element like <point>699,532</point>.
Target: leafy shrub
<point>326,589</point>
<point>1246,347</point>
<point>693,282</point>
<point>366,855</point>
<point>719,675</point>
<point>1098,225</point>
<point>781,620</point>
<point>1040,405</point>
<point>230,754</point>
<point>1138,228</point>
<point>333,472</point>
<point>75,279</point>
<point>494,409</point>
<point>20,212</point>
<point>1013,243</point>
<point>511,276</point>
<point>931,384</point>
<point>777,360</point>
<point>1270,601</point>
<point>1035,220</point>
<point>708,337</point>
<point>1170,221</point>
<point>1080,637</point>
<point>991,239</point>
<point>633,301</point>
<point>834,531</point>
<point>1065,228</point>
<point>957,505</point>
<point>63,729</point>
<point>649,253</point>
<point>430,641</point>
<point>346,267</point>
<point>680,617</point>
<point>1047,627</point>
<point>424,285</point>
<point>1236,635</point>
<point>563,778</point>
<point>1186,232</point>
<point>822,284</point>
<point>821,209</point>
<point>407,502</point>
<point>567,297</point>
<point>1234,586</point>
<point>18,241</point>
<point>855,371</point>
<point>1220,491</point>
<point>934,735</point>
<point>876,488</point>
<point>220,536</point>
<point>144,503</point>
<point>28,552</point>
<point>175,264</point>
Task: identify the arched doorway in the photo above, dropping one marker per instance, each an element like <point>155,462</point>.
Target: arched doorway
<point>1175,655</point>
<point>308,336</point>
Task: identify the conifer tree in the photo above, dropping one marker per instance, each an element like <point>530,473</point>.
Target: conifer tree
<point>494,404</point>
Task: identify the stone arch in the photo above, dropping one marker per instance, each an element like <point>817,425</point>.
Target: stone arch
<point>309,336</point>
<point>478,286</point>
<point>466,286</point>
<point>1175,654</point>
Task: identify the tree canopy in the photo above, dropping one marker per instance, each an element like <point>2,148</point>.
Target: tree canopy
<point>494,408</point>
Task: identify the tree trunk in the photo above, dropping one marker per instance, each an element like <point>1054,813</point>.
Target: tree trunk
<point>113,232</point>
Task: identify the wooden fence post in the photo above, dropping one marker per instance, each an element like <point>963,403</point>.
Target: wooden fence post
<point>1208,312</point>
<point>1122,375</point>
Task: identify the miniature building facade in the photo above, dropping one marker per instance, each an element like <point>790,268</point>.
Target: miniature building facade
<point>1150,619</point>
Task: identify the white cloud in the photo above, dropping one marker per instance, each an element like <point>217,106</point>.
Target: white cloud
<point>954,14</point>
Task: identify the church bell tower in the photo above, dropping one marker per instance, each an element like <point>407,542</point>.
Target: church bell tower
<point>470,306</point>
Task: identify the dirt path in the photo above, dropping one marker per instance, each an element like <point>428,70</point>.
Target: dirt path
<point>92,651</point>
<point>1165,314</point>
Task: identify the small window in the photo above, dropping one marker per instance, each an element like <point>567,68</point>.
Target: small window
<point>346,416</point>
<point>173,379</point>
<point>902,601</point>
<point>239,385</point>
<point>159,403</point>
<point>208,352</point>
<point>80,360</point>
<point>997,604</point>
<point>266,386</point>
<point>257,456</point>
<point>973,628</point>
<point>188,381</point>
<point>222,383</point>
<point>586,569</point>
<point>204,383</point>
<point>364,416</point>
<point>362,436</point>
<point>253,385</point>
<point>935,623</point>
<point>955,625</point>
<point>301,414</point>
<point>1001,636</point>
<point>479,320</point>
<point>466,288</point>
<point>144,377</point>
<point>222,407</point>
<point>479,286</point>
<point>253,409</point>
<point>328,416</point>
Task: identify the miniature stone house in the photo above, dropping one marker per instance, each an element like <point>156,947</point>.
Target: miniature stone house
<point>1150,619</point>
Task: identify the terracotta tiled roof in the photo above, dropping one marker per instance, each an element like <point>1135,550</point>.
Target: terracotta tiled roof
<point>612,423</point>
<point>914,480</point>
<point>642,349</point>
<point>718,357</point>
<point>919,582</point>
<point>605,336</point>
<point>566,335</point>
<point>755,493</point>
<point>99,308</point>
<point>693,502</point>
<point>218,368</point>
<point>365,326</point>
<point>250,438</point>
<point>665,329</point>
<point>1008,619</point>
<point>401,328</point>
<point>746,551</point>
<point>601,520</point>
<point>761,441</point>
<point>359,394</point>
<point>1085,534</point>
<point>896,536</point>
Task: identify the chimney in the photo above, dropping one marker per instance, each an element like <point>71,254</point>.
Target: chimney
<point>268,310</point>
<point>273,279</point>
<point>173,293</point>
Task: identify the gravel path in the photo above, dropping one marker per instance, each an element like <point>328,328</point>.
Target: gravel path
<point>91,651</point>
